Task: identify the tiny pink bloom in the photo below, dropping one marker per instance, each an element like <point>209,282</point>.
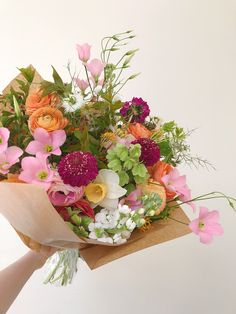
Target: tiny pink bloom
<point>46,143</point>
<point>9,157</point>
<point>61,194</point>
<point>36,170</point>
<point>185,196</point>
<point>83,52</point>
<point>4,136</point>
<point>82,84</point>
<point>95,67</point>
<point>206,226</point>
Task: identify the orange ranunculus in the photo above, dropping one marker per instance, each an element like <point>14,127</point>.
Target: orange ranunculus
<point>139,131</point>
<point>155,187</point>
<point>48,118</point>
<point>35,101</point>
<point>159,170</point>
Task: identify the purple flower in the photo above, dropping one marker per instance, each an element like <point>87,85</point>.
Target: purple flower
<point>78,168</point>
<point>137,108</point>
<point>150,151</point>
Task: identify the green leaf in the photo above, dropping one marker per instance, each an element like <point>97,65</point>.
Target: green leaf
<point>139,170</point>
<point>28,73</point>
<point>128,164</point>
<point>57,79</point>
<point>124,178</point>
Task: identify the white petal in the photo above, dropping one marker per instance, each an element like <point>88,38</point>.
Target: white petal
<point>115,191</point>
<point>110,204</point>
<point>107,176</point>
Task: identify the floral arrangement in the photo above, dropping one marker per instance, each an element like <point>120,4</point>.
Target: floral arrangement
<point>108,166</point>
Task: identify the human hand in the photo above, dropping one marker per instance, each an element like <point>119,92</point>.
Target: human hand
<point>39,258</point>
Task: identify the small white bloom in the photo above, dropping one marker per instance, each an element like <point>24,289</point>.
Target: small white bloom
<point>92,235</point>
<point>141,211</point>
<point>124,209</point>
<point>106,240</point>
<point>101,217</point>
<point>130,224</point>
<point>126,234</point>
<point>70,106</point>
<point>91,226</point>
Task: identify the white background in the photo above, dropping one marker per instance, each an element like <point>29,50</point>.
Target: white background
<point>187,59</point>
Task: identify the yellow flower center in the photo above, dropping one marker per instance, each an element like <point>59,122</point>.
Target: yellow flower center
<point>95,192</point>
<point>201,225</point>
<point>48,148</point>
<point>1,140</point>
<point>42,175</point>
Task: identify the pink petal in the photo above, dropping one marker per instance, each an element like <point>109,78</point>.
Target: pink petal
<point>205,238</point>
<point>12,154</point>
<point>57,152</point>
<point>212,216</point>
<point>215,229</point>
<point>34,147</point>
<point>203,212</point>
<point>194,226</point>
<point>58,138</point>
<point>42,136</point>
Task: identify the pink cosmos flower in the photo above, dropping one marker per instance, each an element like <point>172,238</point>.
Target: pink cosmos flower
<point>36,170</point>
<point>8,158</point>
<point>4,136</point>
<point>61,194</point>
<point>206,226</point>
<point>95,67</point>
<point>46,143</point>
<point>82,84</point>
<point>83,52</point>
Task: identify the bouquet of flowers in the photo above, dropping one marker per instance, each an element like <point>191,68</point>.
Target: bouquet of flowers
<point>81,168</point>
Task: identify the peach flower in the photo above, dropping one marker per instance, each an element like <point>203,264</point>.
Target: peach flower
<point>48,118</point>
<point>35,101</point>
<point>158,171</point>
<point>139,131</point>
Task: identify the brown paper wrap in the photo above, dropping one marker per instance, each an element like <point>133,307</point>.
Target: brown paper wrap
<point>29,211</point>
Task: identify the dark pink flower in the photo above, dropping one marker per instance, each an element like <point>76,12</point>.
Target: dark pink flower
<point>150,151</point>
<point>137,109</point>
<point>78,168</point>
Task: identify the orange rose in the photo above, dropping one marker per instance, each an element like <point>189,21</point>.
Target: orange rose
<point>48,118</point>
<point>35,101</point>
<point>159,170</point>
<point>139,131</point>
<point>155,187</point>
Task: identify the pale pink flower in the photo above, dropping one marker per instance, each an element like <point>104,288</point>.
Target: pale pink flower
<point>98,82</point>
<point>36,170</point>
<point>4,136</point>
<point>174,182</point>
<point>206,226</point>
<point>61,194</point>
<point>46,143</point>
<point>95,67</point>
<point>133,200</point>
<point>83,52</point>
<point>82,84</point>
<point>9,157</point>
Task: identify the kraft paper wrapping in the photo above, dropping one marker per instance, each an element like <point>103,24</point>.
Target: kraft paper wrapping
<point>29,211</point>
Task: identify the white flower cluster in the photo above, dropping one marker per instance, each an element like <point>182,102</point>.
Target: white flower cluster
<point>113,226</point>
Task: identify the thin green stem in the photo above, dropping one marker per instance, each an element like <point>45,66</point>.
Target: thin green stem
<point>87,76</point>
<point>181,222</point>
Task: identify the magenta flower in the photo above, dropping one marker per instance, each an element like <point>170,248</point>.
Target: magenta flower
<point>95,67</point>
<point>46,143</point>
<point>9,157</point>
<point>61,194</point>
<point>78,168</point>
<point>150,151</point>
<point>83,52</point>
<point>4,136</point>
<point>36,170</point>
<point>82,84</point>
<point>137,109</point>
<point>206,226</point>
